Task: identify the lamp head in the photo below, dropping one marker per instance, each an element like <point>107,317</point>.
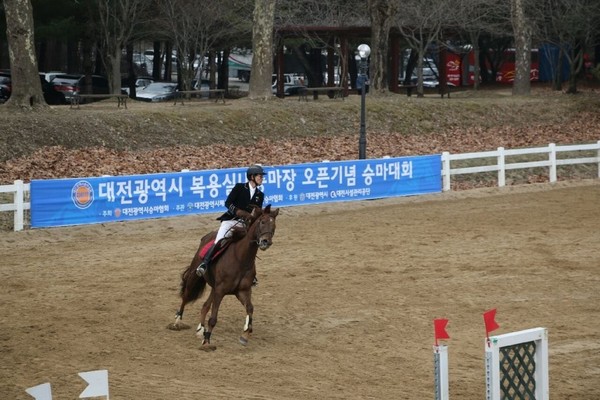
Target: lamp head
<point>364,51</point>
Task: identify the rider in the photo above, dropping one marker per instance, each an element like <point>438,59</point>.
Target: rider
<point>240,201</point>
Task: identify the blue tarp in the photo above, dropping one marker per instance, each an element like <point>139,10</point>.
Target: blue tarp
<point>548,56</point>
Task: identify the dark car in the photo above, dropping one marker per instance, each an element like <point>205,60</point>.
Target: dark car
<point>5,86</point>
<point>66,84</point>
<point>71,85</point>
<point>51,96</point>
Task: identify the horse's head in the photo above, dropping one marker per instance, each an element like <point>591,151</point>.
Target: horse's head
<point>265,227</point>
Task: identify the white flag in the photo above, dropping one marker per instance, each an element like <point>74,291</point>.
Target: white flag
<point>41,392</point>
<point>97,383</point>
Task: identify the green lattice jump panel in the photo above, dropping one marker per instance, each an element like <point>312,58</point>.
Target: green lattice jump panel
<point>517,371</point>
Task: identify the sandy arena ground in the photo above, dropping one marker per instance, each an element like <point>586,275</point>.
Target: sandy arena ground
<point>344,308</point>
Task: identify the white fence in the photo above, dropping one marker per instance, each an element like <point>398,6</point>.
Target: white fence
<point>501,165</point>
<point>552,160</point>
<point>19,191</point>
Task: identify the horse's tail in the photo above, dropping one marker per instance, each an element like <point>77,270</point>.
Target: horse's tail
<point>192,286</point>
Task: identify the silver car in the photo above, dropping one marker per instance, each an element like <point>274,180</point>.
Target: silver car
<point>158,91</point>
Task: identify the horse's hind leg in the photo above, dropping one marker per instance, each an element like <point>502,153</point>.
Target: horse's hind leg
<point>245,297</point>
<point>192,287</point>
<point>212,321</point>
<point>178,324</point>
<point>205,308</point>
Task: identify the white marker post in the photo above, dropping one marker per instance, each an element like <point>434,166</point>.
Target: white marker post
<point>440,362</point>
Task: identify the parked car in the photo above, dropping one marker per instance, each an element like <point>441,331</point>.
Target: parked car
<point>5,86</point>
<point>140,83</point>
<point>67,85</point>
<point>158,91</point>
<point>289,90</point>
<point>292,84</point>
<point>51,96</point>
<point>434,83</point>
<point>71,85</point>
<point>51,74</point>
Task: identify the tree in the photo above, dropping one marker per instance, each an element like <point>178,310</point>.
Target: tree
<point>26,85</point>
<point>420,23</point>
<point>381,13</point>
<point>262,50</point>
<point>58,22</point>
<point>571,27</point>
<point>304,16</point>
<point>522,31</point>
<point>116,24</point>
<point>474,21</point>
<point>193,31</point>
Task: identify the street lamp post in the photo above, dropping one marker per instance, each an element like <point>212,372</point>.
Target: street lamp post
<point>363,51</point>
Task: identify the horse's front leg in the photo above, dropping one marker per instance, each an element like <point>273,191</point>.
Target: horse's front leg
<point>202,325</point>
<point>245,297</point>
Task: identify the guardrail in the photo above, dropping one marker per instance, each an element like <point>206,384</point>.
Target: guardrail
<point>19,205</point>
<point>501,165</point>
<point>21,190</point>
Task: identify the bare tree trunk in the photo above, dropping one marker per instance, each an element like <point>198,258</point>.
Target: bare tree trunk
<point>156,61</point>
<point>262,50</point>
<point>213,69</point>
<point>113,68</point>
<point>476,63</point>
<point>557,78</point>
<point>26,85</point>
<point>576,64</point>
<point>380,12</point>
<point>522,34</point>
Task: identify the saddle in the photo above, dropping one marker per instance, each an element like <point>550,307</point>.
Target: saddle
<point>237,234</point>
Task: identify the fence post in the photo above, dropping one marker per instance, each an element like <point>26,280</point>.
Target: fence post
<point>598,155</point>
<point>552,148</point>
<point>501,167</point>
<point>446,171</point>
<point>19,200</point>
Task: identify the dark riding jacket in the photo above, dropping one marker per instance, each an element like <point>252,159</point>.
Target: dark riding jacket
<point>239,197</point>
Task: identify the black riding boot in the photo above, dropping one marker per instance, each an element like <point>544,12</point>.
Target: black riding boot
<point>201,270</point>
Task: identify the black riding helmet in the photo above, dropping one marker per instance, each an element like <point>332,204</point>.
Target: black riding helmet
<point>254,170</point>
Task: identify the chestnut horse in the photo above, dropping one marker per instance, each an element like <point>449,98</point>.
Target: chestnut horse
<point>229,273</point>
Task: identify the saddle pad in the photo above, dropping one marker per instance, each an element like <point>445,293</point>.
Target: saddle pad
<point>217,253</point>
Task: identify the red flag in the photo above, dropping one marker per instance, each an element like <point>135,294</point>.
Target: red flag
<point>440,329</point>
<point>490,322</point>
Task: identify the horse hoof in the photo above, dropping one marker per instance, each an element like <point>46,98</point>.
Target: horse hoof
<point>243,341</point>
<point>208,347</point>
<point>177,327</point>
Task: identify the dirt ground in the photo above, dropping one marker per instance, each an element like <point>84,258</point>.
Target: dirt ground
<point>344,308</point>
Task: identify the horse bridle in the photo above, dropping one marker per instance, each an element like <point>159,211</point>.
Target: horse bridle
<point>259,233</point>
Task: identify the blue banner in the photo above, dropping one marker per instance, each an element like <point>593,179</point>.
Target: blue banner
<point>61,202</point>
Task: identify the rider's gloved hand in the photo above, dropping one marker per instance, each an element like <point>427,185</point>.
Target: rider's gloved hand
<point>242,214</point>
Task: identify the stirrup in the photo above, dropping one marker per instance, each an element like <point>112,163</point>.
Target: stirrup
<point>254,282</point>
<point>201,270</point>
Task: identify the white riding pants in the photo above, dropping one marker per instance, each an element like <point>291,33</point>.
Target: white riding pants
<point>225,230</point>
